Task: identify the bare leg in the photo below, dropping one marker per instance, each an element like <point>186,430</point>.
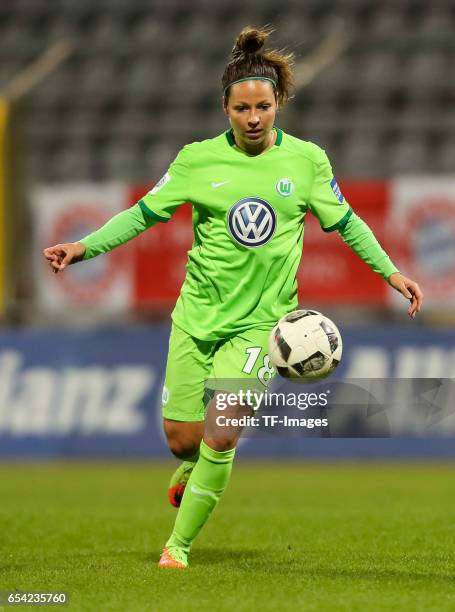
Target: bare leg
<point>183,438</point>
<point>223,437</point>
<point>209,476</point>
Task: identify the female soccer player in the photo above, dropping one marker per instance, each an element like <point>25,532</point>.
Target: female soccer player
<point>250,188</point>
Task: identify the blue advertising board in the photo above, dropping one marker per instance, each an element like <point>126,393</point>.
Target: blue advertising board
<point>97,393</point>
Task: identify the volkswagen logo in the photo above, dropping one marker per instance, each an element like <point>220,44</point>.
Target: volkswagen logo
<point>252,222</point>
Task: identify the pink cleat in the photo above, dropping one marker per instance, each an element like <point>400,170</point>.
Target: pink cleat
<point>173,557</point>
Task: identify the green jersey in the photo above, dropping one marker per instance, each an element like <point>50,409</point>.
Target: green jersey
<point>248,219</point>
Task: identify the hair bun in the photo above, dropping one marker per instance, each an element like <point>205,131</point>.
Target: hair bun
<point>249,41</point>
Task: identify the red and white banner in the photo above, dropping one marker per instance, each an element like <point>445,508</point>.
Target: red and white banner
<point>330,272</point>
<point>65,213</point>
<point>421,228</point>
<point>413,218</point>
<point>160,256</point>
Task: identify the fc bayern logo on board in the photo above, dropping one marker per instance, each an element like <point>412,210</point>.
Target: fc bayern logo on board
<point>252,222</point>
<point>284,187</point>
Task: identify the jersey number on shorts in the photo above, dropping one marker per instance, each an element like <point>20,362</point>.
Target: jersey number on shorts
<point>266,371</point>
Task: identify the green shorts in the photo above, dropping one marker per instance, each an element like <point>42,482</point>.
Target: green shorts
<point>194,367</point>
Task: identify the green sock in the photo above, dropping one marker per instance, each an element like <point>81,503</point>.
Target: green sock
<point>204,488</point>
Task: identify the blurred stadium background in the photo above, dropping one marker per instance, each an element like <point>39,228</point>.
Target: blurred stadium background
<point>96,100</point>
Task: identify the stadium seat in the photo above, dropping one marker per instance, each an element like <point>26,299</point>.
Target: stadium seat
<point>74,162</point>
<point>407,156</point>
<point>445,158</point>
<point>144,70</point>
<point>426,70</point>
<point>361,155</point>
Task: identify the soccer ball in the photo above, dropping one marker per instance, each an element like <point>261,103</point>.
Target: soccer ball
<point>305,345</point>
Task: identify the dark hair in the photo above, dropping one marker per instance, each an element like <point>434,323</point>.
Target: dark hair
<point>248,60</point>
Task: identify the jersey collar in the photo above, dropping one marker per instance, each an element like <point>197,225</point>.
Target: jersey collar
<point>279,136</point>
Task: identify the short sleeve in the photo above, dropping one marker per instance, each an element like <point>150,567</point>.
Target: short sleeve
<point>170,192</point>
<point>326,201</point>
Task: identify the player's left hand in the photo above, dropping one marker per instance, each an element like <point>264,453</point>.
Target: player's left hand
<point>410,289</point>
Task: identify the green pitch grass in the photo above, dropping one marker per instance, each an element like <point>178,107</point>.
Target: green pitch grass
<point>285,537</point>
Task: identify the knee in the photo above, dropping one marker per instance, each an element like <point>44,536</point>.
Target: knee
<point>183,438</point>
<point>182,449</point>
<point>221,444</point>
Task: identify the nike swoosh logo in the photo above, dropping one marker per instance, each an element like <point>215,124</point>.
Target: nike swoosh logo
<point>216,185</point>
<point>199,491</point>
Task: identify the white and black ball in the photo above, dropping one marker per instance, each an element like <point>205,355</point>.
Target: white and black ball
<point>305,345</point>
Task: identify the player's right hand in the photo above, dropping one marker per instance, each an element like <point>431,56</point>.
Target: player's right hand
<point>62,255</point>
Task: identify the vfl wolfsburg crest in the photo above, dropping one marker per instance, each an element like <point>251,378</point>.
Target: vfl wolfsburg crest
<point>285,187</point>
